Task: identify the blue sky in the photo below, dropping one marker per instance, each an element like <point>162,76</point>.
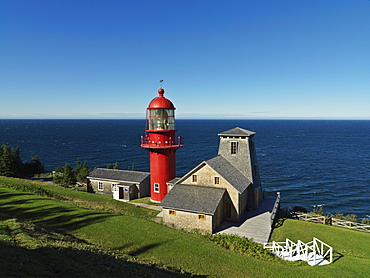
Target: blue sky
<point>218,59</point>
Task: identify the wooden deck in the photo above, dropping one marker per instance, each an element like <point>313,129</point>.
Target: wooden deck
<point>255,225</point>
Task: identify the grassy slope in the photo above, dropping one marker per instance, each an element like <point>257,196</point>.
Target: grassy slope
<point>30,250</point>
<point>352,248</point>
<point>147,240</point>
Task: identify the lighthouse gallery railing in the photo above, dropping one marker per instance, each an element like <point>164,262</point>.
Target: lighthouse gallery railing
<point>146,142</point>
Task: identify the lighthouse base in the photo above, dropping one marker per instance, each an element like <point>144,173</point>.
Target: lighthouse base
<point>153,201</point>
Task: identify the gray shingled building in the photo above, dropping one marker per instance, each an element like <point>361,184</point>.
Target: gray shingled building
<point>121,184</point>
<point>221,188</point>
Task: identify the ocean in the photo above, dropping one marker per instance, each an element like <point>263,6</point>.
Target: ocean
<point>310,162</point>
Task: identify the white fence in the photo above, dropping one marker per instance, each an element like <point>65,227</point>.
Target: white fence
<point>315,252</point>
<point>331,221</point>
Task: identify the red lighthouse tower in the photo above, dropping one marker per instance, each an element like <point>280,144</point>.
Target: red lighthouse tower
<point>161,143</point>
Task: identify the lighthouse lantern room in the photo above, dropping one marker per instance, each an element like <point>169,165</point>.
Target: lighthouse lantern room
<point>162,144</point>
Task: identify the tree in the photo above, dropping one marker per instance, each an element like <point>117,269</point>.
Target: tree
<point>81,171</point>
<point>7,161</point>
<point>66,176</point>
<point>11,164</point>
<point>33,168</point>
<point>113,166</point>
<point>18,162</point>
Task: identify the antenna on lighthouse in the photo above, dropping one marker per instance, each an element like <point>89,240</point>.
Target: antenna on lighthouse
<point>160,82</point>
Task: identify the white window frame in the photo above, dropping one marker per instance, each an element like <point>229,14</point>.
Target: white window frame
<point>234,147</point>
<point>156,188</point>
<point>114,187</point>
<point>100,186</point>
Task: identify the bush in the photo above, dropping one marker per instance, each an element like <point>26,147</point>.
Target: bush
<point>299,209</point>
<point>365,221</point>
<point>348,217</point>
<point>241,245</point>
<point>319,210</point>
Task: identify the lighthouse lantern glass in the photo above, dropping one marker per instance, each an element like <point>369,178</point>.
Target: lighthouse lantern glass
<point>161,119</point>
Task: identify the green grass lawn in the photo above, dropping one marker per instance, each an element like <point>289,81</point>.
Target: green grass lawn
<point>113,226</point>
<point>351,248</point>
<point>145,200</point>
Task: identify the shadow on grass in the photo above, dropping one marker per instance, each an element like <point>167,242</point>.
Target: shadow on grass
<point>143,249</point>
<point>48,212</point>
<point>19,261</point>
<point>41,251</point>
<point>4,195</point>
<point>337,256</point>
<point>279,222</point>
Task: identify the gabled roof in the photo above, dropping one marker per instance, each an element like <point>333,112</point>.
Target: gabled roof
<point>118,175</point>
<point>194,198</point>
<point>229,172</point>
<point>237,131</point>
<point>225,169</point>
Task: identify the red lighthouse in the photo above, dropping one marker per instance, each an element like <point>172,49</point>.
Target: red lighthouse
<point>161,143</point>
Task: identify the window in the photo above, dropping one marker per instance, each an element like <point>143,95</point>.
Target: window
<point>156,187</point>
<point>234,147</point>
<point>217,180</point>
<point>100,186</point>
<point>114,187</point>
<point>161,119</point>
<point>194,178</point>
<point>201,217</point>
<point>172,212</point>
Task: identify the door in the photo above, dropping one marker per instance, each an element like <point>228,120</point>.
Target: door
<point>227,210</point>
<point>120,193</point>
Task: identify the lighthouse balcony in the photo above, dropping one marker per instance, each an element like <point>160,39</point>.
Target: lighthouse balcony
<point>148,143</point>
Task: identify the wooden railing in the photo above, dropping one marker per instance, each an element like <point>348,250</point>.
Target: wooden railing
<point>331,221</point>
<point>275,209</point>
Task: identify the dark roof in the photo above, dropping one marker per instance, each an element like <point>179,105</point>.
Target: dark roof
<point>229,172</point>
<point>118,175</point>
<point>237,131</point>
<point>173,181</point>
<point>194,198</point>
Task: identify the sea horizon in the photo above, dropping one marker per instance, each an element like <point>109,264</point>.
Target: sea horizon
<point>182,117</point>
<point>311,162</point>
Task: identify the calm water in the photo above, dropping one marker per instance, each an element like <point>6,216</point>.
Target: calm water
<point>309,162</point>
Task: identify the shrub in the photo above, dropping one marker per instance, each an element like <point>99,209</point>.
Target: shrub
<point>366,221</point>
<point>319,210</point>
<point>241,245</point>
<point>299,209</point>
<point>348,217</point>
